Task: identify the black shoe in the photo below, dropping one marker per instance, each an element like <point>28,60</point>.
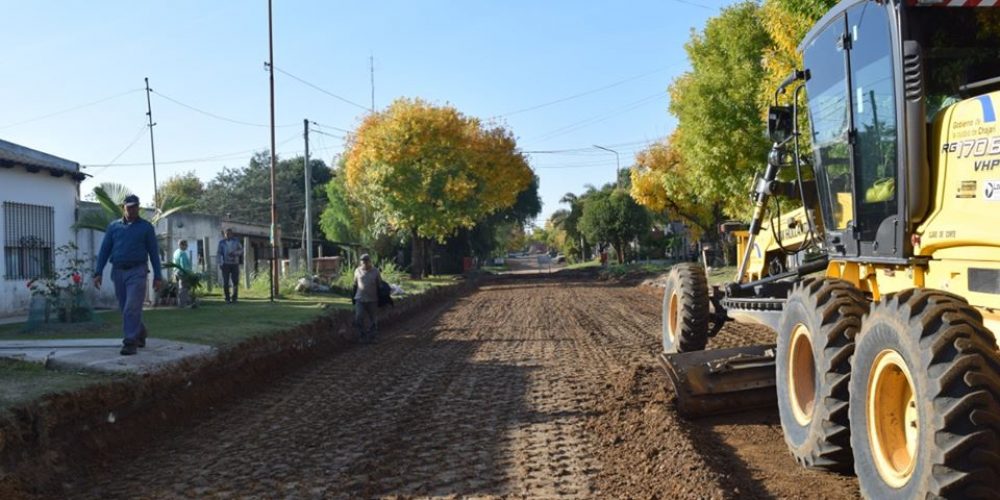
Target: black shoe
<point>227,300</point>
<point>142,340</point>
<point>128,350</point>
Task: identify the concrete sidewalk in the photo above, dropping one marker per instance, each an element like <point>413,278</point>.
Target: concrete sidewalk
<point>100,355</point>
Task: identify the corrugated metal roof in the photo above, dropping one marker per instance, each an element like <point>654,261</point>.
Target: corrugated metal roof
<point>12,154</point>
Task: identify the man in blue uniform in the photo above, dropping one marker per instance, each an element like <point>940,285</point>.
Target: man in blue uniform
<point>229,254</point>
<point>129,243</point>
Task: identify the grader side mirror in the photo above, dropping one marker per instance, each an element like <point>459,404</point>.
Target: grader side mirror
<point>779,123</point>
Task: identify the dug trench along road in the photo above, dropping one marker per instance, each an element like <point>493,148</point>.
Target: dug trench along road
<point>534,385</point>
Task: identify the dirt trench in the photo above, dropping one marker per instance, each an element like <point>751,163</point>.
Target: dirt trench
<point>533,386</point>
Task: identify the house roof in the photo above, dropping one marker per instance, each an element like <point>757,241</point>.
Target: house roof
<point>12,155</point>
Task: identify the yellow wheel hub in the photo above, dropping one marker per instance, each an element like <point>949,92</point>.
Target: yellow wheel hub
<point>893,422</point>
<point>802,375</point>
<point>674,318</point>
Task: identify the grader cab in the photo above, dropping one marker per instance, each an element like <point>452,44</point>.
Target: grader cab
<point>884,286</point>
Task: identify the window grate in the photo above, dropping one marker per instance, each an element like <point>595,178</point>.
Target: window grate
<point>29,237</point>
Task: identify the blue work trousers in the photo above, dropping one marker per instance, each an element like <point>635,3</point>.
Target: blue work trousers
<point>369,309</point>
<point>130,289</point>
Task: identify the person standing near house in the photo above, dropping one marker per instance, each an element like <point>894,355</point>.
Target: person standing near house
<point>365,299</point>
<point>129,243</point>
<point>182,260</point>
<point>229,254</point>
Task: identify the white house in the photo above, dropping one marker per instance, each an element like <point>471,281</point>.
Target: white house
<point>38,197</point>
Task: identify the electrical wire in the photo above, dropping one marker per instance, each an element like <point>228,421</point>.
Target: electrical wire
<point>218,117</point>
<point>74,108</point>
<point>138,135</point>
<point>327,92</point>
<point>596,118</point>
<point>582,94</point>
<point>320,132</point>
<point>338,129</point>
<point>222,156</point>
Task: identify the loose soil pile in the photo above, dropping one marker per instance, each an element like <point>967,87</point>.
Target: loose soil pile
<point>536,386</point>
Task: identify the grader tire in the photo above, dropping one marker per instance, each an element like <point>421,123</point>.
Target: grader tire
<point>815,343</point>
<point>925,400</point>
<point>685,309</point>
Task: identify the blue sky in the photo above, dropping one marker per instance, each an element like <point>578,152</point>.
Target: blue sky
<point>561,75</point>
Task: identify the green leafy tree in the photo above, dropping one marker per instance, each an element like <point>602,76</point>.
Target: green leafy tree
<point>612,216</point>
<point>721,137</point>
<point>340,221</point>
<point>185,187</point>
<point>483,238</point>
<point>244,194</point>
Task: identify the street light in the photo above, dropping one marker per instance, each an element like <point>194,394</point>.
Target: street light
<point>618,166</point>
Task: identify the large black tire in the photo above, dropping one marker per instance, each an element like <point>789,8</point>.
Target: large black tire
<point>925,400</point>
<point>685,309</point>
<point>813,368</point>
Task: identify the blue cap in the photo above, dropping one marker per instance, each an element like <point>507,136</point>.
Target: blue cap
<point>131,201</point>
<point>365,256</point>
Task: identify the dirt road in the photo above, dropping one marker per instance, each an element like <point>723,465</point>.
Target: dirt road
<point>529,387</point>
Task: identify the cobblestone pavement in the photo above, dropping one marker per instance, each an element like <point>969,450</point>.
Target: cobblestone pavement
<point>520,389</point>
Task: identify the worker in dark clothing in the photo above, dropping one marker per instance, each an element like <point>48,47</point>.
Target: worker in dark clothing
<point>229,254</point>
<point>129,243</point>
<point>365,299</point>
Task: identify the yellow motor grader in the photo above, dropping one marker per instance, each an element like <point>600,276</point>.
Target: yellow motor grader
<point>884,286</point>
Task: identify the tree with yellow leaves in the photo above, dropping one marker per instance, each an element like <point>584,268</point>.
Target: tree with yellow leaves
<point>429,170</point>
<point>662,182</point>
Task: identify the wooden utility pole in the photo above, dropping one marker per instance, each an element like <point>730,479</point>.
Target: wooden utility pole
<point>308,184</point>
<point>152,146</point>
<point>275,270</point>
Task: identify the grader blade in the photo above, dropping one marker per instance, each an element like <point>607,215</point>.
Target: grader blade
<point>722,380</point>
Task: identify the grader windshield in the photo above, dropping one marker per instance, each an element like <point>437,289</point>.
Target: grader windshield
<point>860,78</point>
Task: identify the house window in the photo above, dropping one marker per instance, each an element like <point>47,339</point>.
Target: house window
<point>28,240</point>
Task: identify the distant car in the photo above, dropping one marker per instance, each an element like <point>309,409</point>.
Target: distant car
<point>560,259</point>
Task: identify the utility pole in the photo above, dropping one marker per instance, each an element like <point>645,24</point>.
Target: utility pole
<point>371,67</point>
<point>618,165</point>
<point>309,231</point>
<point>152,146</point>
<point>274,204</point>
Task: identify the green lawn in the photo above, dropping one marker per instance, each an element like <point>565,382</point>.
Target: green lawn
<point>214,322</point>
<point>584,265</point>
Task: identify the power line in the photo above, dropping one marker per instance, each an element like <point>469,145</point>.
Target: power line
<point>213,115</point>
<point>327,92</point>
<point>585,93</point>
<point>223,156</point>
<point>320,132</point>
<point>596,118</point>
<point>74,108</point>
<point>131,143</point>
<point>686,2</point>
<point>588,149</point>
<point>338,129</point>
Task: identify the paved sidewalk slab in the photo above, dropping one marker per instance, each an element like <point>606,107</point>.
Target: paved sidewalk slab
<point>100,355</point>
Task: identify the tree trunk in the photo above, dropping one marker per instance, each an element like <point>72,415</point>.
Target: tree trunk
<point>431,247</point>
<point>417,266</point>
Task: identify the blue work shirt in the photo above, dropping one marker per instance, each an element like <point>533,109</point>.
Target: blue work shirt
<point>129,244</point>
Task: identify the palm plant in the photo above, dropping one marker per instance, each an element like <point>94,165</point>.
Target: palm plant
<point>111,196</point>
